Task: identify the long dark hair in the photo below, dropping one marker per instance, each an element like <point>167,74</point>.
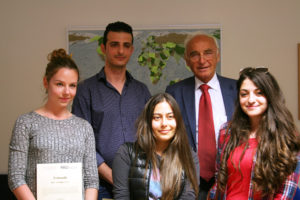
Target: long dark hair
<point>277,136</point>
<point>176,157</point>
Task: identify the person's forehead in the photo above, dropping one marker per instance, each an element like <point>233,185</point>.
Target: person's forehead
<point>119,36</point>
<point>248,83</point>
<point>202,42</point>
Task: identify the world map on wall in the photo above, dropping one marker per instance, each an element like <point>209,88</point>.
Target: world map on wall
<point>157,60</point>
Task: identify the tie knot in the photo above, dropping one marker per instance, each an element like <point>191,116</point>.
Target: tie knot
<point>204,87</point>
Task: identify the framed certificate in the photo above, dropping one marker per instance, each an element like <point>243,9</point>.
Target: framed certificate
<point>59,181</point>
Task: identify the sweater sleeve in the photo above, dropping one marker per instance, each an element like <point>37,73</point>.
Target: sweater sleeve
<point>120,172</point>
<point>18,154</point>
<point>91,179</point>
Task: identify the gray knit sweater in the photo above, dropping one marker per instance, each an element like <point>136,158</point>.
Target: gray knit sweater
<point>38,139</point>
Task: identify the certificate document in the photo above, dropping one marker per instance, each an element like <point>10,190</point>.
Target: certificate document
<point>59,181</point>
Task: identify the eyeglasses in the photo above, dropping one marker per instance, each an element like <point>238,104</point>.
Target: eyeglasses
<point>196,56</point>
<point>252,69</point>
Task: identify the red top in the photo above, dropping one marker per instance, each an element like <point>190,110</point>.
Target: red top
<point>239,180</point>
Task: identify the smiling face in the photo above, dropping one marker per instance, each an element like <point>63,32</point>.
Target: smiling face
<point>61,88</point>
<point>163,124</point>
<point>202,57</point>
<point>253,102</point>
<point>117,49</point>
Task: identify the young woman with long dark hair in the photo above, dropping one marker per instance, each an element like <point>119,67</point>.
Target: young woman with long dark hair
<point>160,164</point>
<point>259,149</point>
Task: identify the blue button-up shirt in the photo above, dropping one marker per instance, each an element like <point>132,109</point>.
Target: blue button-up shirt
<point>111,114</point>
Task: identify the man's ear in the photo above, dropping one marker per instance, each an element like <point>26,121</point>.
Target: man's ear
<point>103,48</point>
<point>218,55</point>
<point>187,63</point>
<point>185,56</point>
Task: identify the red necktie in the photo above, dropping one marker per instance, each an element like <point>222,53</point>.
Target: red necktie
<point>206,136</point>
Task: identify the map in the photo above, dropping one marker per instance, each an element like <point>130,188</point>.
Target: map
<point>157,60</point>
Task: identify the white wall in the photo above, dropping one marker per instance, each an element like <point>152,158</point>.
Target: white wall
<point>254,33</point>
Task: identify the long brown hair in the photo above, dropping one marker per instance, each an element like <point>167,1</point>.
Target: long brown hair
<point>176,157</point>
<point>276,154</point>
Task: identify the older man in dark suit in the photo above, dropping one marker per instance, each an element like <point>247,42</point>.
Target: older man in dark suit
<point>206,101</point>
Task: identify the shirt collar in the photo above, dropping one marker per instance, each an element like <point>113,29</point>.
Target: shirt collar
<point>101,75</point>
<point>213,83</point>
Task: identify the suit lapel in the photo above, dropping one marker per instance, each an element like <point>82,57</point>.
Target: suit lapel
<point>189,104</point>
<point>228,95</point>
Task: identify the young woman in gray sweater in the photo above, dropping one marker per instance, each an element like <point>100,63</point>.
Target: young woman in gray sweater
<point>51,134</point>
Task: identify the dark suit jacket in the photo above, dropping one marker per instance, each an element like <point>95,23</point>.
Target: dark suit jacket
<point>184,93</point>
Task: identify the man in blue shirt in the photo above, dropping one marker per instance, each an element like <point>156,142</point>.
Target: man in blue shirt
<point>111,101</point>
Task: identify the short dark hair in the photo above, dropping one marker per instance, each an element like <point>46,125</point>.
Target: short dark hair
<point>117,27</point>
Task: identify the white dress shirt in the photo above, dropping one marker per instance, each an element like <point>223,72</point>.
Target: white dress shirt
<point>218,108</point>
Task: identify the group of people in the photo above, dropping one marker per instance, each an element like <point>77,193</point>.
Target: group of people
<point>207,137</point>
